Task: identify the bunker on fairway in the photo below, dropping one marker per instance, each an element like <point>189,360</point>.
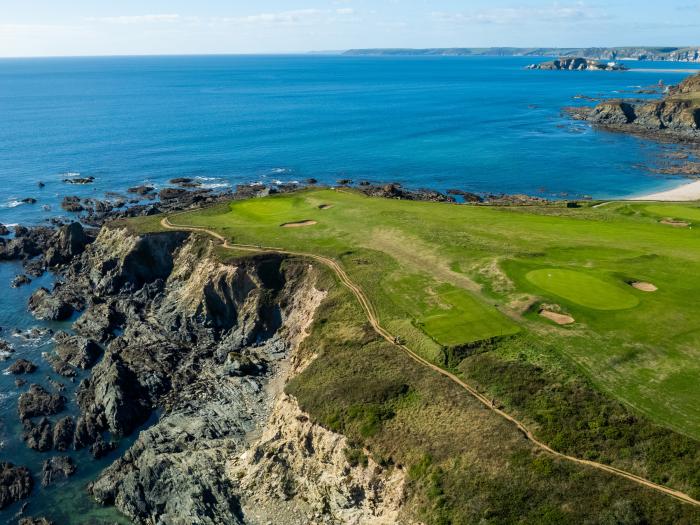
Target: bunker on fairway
<point>582,289</point>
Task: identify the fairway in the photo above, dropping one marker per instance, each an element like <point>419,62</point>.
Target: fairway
<point>443,276</point>
<point>582,289</point>
<point>674,211</point>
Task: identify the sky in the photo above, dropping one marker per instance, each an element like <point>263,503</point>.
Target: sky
<point>142,27</point>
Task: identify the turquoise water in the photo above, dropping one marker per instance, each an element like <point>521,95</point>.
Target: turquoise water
<point>477,124</point>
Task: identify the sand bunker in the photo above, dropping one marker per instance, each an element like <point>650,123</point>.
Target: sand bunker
<point>299,224</point>
<point>557,318</point>
<point>644,287</point>
<point>675,223</point>
<point>325,206</point>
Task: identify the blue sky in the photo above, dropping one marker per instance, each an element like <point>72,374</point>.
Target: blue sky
<point>95,27</point>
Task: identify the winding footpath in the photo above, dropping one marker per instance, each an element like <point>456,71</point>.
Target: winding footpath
<point>374,322</point>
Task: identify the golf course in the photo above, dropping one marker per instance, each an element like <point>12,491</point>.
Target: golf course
<point>448,278</point>
<point>574,326</point>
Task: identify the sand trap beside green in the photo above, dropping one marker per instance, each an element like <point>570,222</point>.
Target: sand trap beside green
<point>582,289</point>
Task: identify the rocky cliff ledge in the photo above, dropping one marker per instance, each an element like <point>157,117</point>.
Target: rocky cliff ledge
<point>676,116</point>
<point>195,355</point>
<point>578,64</point>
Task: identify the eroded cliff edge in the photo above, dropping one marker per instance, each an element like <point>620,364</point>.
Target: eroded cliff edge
<point>196,353</point>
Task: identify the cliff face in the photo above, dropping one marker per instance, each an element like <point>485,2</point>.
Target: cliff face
<point>675,116</point>
<point>207,347</point>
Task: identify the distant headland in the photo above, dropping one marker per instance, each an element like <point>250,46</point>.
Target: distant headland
<point>671,54</point>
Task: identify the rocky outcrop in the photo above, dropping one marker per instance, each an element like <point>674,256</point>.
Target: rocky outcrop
<point>77,351</point>
<point>396,191</point>
<point>578,64</point>
<point>15,484</point>
<point>56,469</point>
<point>300,470</point>
<point>39,402</point>
<point>169,329</point>
<point>49,307</point>
<point>675,117</point>
<point>21,366</point>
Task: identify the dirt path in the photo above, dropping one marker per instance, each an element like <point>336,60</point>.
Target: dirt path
<point>374,322</point>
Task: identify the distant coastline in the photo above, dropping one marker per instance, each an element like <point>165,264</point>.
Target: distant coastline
<point>661,54</point>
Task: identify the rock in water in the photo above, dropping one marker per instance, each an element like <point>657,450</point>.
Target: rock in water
<point>15,484</point>
<point>43,305</point>
<point>56,469</point>
<point>22,366</point>
<point>38,436</point>
<point>38,402</point>
<point>63,434</point>
<point>35,521</point>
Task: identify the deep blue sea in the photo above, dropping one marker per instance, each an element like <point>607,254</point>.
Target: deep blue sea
<point>476,124</point>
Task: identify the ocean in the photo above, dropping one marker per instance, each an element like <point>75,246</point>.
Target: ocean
<point>476,124</point>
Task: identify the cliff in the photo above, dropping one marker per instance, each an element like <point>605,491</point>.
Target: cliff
<point>196,353</point>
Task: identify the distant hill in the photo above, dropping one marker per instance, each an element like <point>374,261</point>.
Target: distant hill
<point>672,54</point>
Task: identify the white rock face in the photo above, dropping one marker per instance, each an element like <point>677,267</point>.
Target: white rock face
<point>298,473</point>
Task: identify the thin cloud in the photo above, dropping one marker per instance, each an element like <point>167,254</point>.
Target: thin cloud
<point>136,19</point>
<point>522,15</point>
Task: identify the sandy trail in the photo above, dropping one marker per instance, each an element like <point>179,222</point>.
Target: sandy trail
<point>374,322</point>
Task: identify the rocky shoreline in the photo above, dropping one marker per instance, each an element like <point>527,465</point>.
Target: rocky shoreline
<point>167,332</point>
<point>675,117</point>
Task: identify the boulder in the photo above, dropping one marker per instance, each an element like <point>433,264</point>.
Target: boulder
<point>35,521</point>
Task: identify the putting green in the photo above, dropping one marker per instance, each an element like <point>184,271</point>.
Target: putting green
<point>689,213</point>
<point>582,289</point>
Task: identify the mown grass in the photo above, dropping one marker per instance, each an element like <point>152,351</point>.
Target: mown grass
<point>446,276</point>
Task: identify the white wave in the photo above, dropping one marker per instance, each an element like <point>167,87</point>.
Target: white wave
<point>70,174</point>
<point>12,204</point>
<point>215,185</point>
<point>280,170</point>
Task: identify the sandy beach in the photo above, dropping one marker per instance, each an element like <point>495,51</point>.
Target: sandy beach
<point>686,192</point>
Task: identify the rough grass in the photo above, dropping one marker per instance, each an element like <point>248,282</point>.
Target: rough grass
<point>406,254</point>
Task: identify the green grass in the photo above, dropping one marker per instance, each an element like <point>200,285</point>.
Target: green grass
<point>443,277</point>
<point>582,289</point>
<point>675,211</point>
